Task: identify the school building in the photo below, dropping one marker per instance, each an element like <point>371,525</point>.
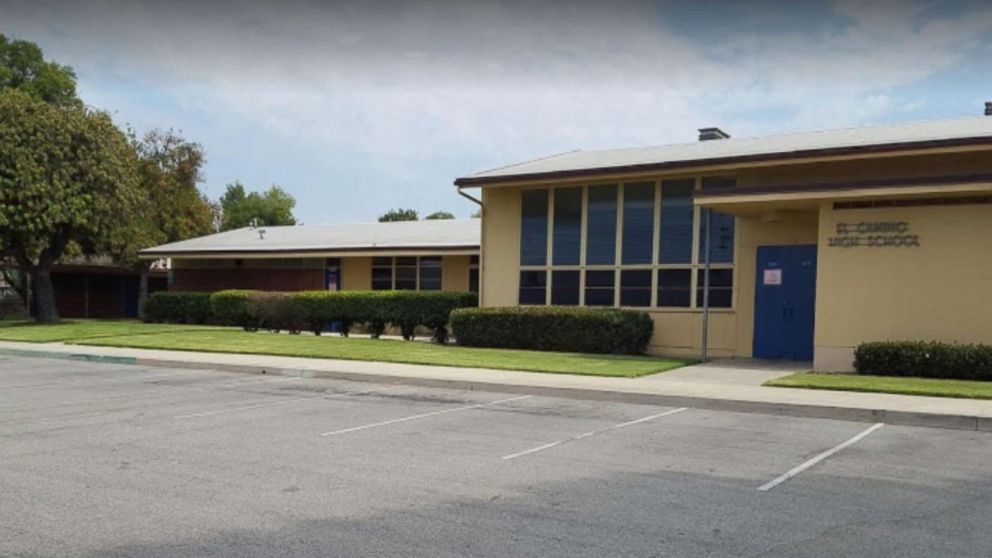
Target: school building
<point>415,255</point>
<point>816,241</point>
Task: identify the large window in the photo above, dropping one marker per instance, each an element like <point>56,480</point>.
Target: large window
<point>473,274</point>
<point>567,226</point>
<point>534,227</point>
<point>637,244</point>
<point>638,223</point>
<point>601,230</point>
<point>406,273</point>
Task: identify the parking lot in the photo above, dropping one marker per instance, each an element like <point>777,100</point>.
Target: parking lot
<point>114,460</point>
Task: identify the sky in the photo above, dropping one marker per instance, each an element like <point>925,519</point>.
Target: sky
<point>359,107</point>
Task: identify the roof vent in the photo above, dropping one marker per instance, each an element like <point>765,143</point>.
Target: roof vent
<point>988,108</point>
<point>706,134</point>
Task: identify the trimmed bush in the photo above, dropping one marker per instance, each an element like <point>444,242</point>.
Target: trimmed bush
<point>233,307</point>
<point>581,330</point>
<point>277,311</point>
<point>926,359</point>
<point>432,309</point>
<point>348,308</point>
<point>178,307</point>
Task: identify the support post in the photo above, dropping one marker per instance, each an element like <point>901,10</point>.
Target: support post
<point>704,353</point>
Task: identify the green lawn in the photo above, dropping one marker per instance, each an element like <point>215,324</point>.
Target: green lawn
<point>965,389</point>
<point>74,330</point>
<point>386,350</point>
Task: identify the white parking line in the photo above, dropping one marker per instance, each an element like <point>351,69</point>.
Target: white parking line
<point>422,415</point>
<point>244,408</point>
<point>799,469</point>
<point>592,433</point>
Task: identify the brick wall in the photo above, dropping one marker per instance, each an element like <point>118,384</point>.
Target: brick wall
<point>299,279</point>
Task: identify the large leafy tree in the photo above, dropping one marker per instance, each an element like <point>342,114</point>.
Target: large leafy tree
<point>239,208</point>
<point>398,215</point>
<point>23,67</point>
<point>170,169</point>
<point>67,175</point>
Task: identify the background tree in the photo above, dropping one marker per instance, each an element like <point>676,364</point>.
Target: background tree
<point>23,67</point>
<point>398,215</point>
<point>270,208</point>
<point>439,215</point>
<point>67,174</point>
<point>477,214</point>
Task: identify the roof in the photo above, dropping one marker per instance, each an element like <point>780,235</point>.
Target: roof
<point>945,133</point>
<point>442,234</point>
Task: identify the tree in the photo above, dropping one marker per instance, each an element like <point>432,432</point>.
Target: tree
<point>67,174</point>
<point>23,67</point>
<point>170,171</point>
<point>398,215</point>
<point>440,215</point>
<point>477,214</point>
<point>270,208</point>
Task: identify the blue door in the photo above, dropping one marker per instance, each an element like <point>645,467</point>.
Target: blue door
<point>784,302</point>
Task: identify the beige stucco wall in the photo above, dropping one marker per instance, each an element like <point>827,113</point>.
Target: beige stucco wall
<point>454,273</point>
<point>356,274</point>
<point>941,290</point>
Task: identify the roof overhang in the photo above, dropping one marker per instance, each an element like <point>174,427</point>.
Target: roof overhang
<point>931,147</point>
<point>467,250</point>
<point>753,201</point>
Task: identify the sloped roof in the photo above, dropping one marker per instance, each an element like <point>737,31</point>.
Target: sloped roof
<point>439,234</point>
<point>965,131</point>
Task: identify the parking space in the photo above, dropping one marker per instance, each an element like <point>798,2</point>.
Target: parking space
<point>115,460</point>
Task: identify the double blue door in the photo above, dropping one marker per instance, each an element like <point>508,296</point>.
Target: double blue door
<point>785,301</point>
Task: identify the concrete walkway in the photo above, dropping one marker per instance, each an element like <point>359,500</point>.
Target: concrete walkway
<point>727,385</point>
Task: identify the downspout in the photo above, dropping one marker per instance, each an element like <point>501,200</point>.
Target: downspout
<point>482,236</point>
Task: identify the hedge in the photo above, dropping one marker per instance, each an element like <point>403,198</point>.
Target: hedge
<point>585,330</point>
<point>927,359</point>
<point>313,310</point>
<point>178,307</point>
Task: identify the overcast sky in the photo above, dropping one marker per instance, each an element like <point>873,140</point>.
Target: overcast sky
<point>357,107</point>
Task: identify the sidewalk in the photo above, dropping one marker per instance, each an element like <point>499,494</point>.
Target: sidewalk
<point>728,387</point>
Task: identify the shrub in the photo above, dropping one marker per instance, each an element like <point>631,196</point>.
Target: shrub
<point>178,307</point>
<point>587,330</point>
<point>233,307</point>
<point>348,308</point>
<point>277,311</point>
<point>927,359</point>
<point>432,309</point>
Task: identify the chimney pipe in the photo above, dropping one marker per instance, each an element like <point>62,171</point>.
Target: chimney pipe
<point>707,134</point>
<point>988,108</point>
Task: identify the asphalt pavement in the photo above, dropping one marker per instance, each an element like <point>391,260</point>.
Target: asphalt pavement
<point>102,459</point>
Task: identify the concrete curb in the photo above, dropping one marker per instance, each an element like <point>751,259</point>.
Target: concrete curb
<point>931,420</point>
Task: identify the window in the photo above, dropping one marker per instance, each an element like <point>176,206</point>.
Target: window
<point>534,227</point>
<point>600,287</point>
<point>567,234</point>
<point>635,287</point>
<point>674,288</point>
<point>533,287</point>
<point>382,274</point>
<point>565,288</point>
<point>430,273</point>
<point>473,274</point>
<point>721,225</point>
<point>721,288</point>
<point>601,229</point>
<point>638,223</point>
<point>406,274</point>
<point>675,235</point>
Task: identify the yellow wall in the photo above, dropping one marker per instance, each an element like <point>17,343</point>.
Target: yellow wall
<point>941,290</point>
<point>356,274</point>
<point>454,273</point>
<point>501,241</point>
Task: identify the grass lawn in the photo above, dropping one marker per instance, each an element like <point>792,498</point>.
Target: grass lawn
<point>965,389</point>
<point>385,350</point>
<point>72,330</point>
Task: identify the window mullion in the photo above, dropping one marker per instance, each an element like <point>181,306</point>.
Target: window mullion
<point>618,251</point>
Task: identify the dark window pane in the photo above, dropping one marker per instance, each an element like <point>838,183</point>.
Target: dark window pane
<point>473,280</point>
<point>675,242</point>
<point>473,260</point>
<point>430,278</point>
<point>721,225</point>
<point>382,278</point>
<point>382,261</point>
<point>638,223</point>
<point>533,287</point>
<point>635,288</point>
<point>601,231</point>
<point>534,227</point>
<point>565,288</point>
<point>721,288</point>
<point>674,288</point>
<point>406,260</point>
<point>600,288</point>
<point>332,262</point>
<point>567,226</point>
<point>406,278</point>
<point>430,261</point>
